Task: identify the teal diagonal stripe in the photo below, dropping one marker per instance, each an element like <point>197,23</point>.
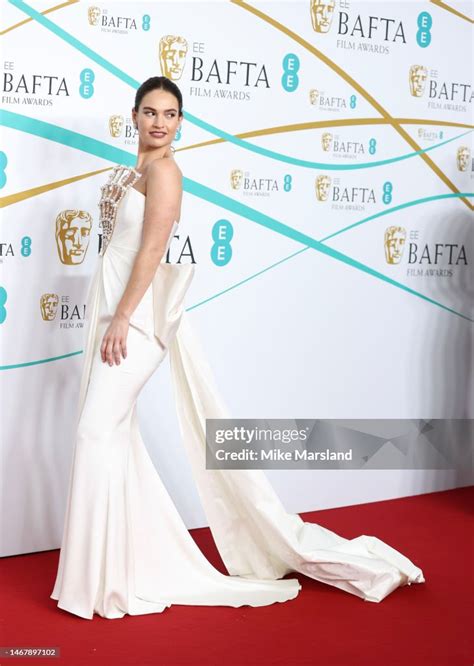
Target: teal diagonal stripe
<point>223,201</point>
<point>26,364</point>
<point>212,129</point>
<point>65,137</point>
<point>60,135</point>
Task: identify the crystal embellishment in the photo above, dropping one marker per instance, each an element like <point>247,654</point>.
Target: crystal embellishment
<point>121,178</point>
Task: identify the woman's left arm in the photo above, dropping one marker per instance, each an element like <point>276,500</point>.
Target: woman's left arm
<point>162,206</point>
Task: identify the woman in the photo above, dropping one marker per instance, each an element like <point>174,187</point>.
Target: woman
<point>125,549</point>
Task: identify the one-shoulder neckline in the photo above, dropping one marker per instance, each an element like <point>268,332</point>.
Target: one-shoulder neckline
<point>135,189</point>
<point>138,191</point>
<point>125,166</point>
<point>129,168</point>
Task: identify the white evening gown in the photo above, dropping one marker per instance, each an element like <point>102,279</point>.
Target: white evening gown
<point>125,548</point>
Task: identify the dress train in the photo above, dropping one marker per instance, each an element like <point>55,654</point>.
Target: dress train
<point>125,548</point>
<point>255,535</point>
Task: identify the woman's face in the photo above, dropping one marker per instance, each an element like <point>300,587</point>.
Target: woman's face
<point>157,118</point>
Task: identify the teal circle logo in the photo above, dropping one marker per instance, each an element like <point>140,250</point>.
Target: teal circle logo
<point>221,250</point>
<point>387,192</point>
<point>3,166</point>
<point>423,34</point>
<point>86,89</point>
<point>289,79</point>
<point>3,300</point>
<point>25,250</point>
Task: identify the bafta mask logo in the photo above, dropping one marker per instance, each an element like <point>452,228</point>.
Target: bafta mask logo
<point>322,185</point>
<point>49,306</point>
<point>463,156</point>
<point>115,125</point>
<point>73,228</point>
<point>173,52</point>
<point>236,176</point>
<point>313,96</point>
<point>417,78</point>
<point>326,141</point>
<point>93,15</point>
<point>394,243</point>
<point>321,12</point>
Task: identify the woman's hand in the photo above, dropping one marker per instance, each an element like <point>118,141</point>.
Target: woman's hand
<point>114,342</point>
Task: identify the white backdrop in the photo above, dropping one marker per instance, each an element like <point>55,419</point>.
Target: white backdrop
<point>349,297</point>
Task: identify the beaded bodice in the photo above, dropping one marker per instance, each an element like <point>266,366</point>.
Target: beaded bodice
<point>121,178</point>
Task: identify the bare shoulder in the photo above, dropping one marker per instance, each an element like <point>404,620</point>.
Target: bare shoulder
<point>164,187</point>
<point>164,168</point>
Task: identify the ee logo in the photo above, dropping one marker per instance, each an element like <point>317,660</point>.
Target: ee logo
<point>221,250</point>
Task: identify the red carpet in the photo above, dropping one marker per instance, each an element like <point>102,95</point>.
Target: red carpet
<point>420,625</point>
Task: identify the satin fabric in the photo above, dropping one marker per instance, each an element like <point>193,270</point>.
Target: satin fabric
<point>125,548</point>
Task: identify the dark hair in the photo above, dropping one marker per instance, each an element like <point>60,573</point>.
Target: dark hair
<point>159,83</point>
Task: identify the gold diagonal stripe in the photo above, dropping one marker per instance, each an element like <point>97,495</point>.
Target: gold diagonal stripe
<point>20,196</point>
<point>453,10</point>
<point>45,11</point>
<point>344,122</point>
<point>352,82</point>
<point>35,191</point>
<point>386,120</point>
